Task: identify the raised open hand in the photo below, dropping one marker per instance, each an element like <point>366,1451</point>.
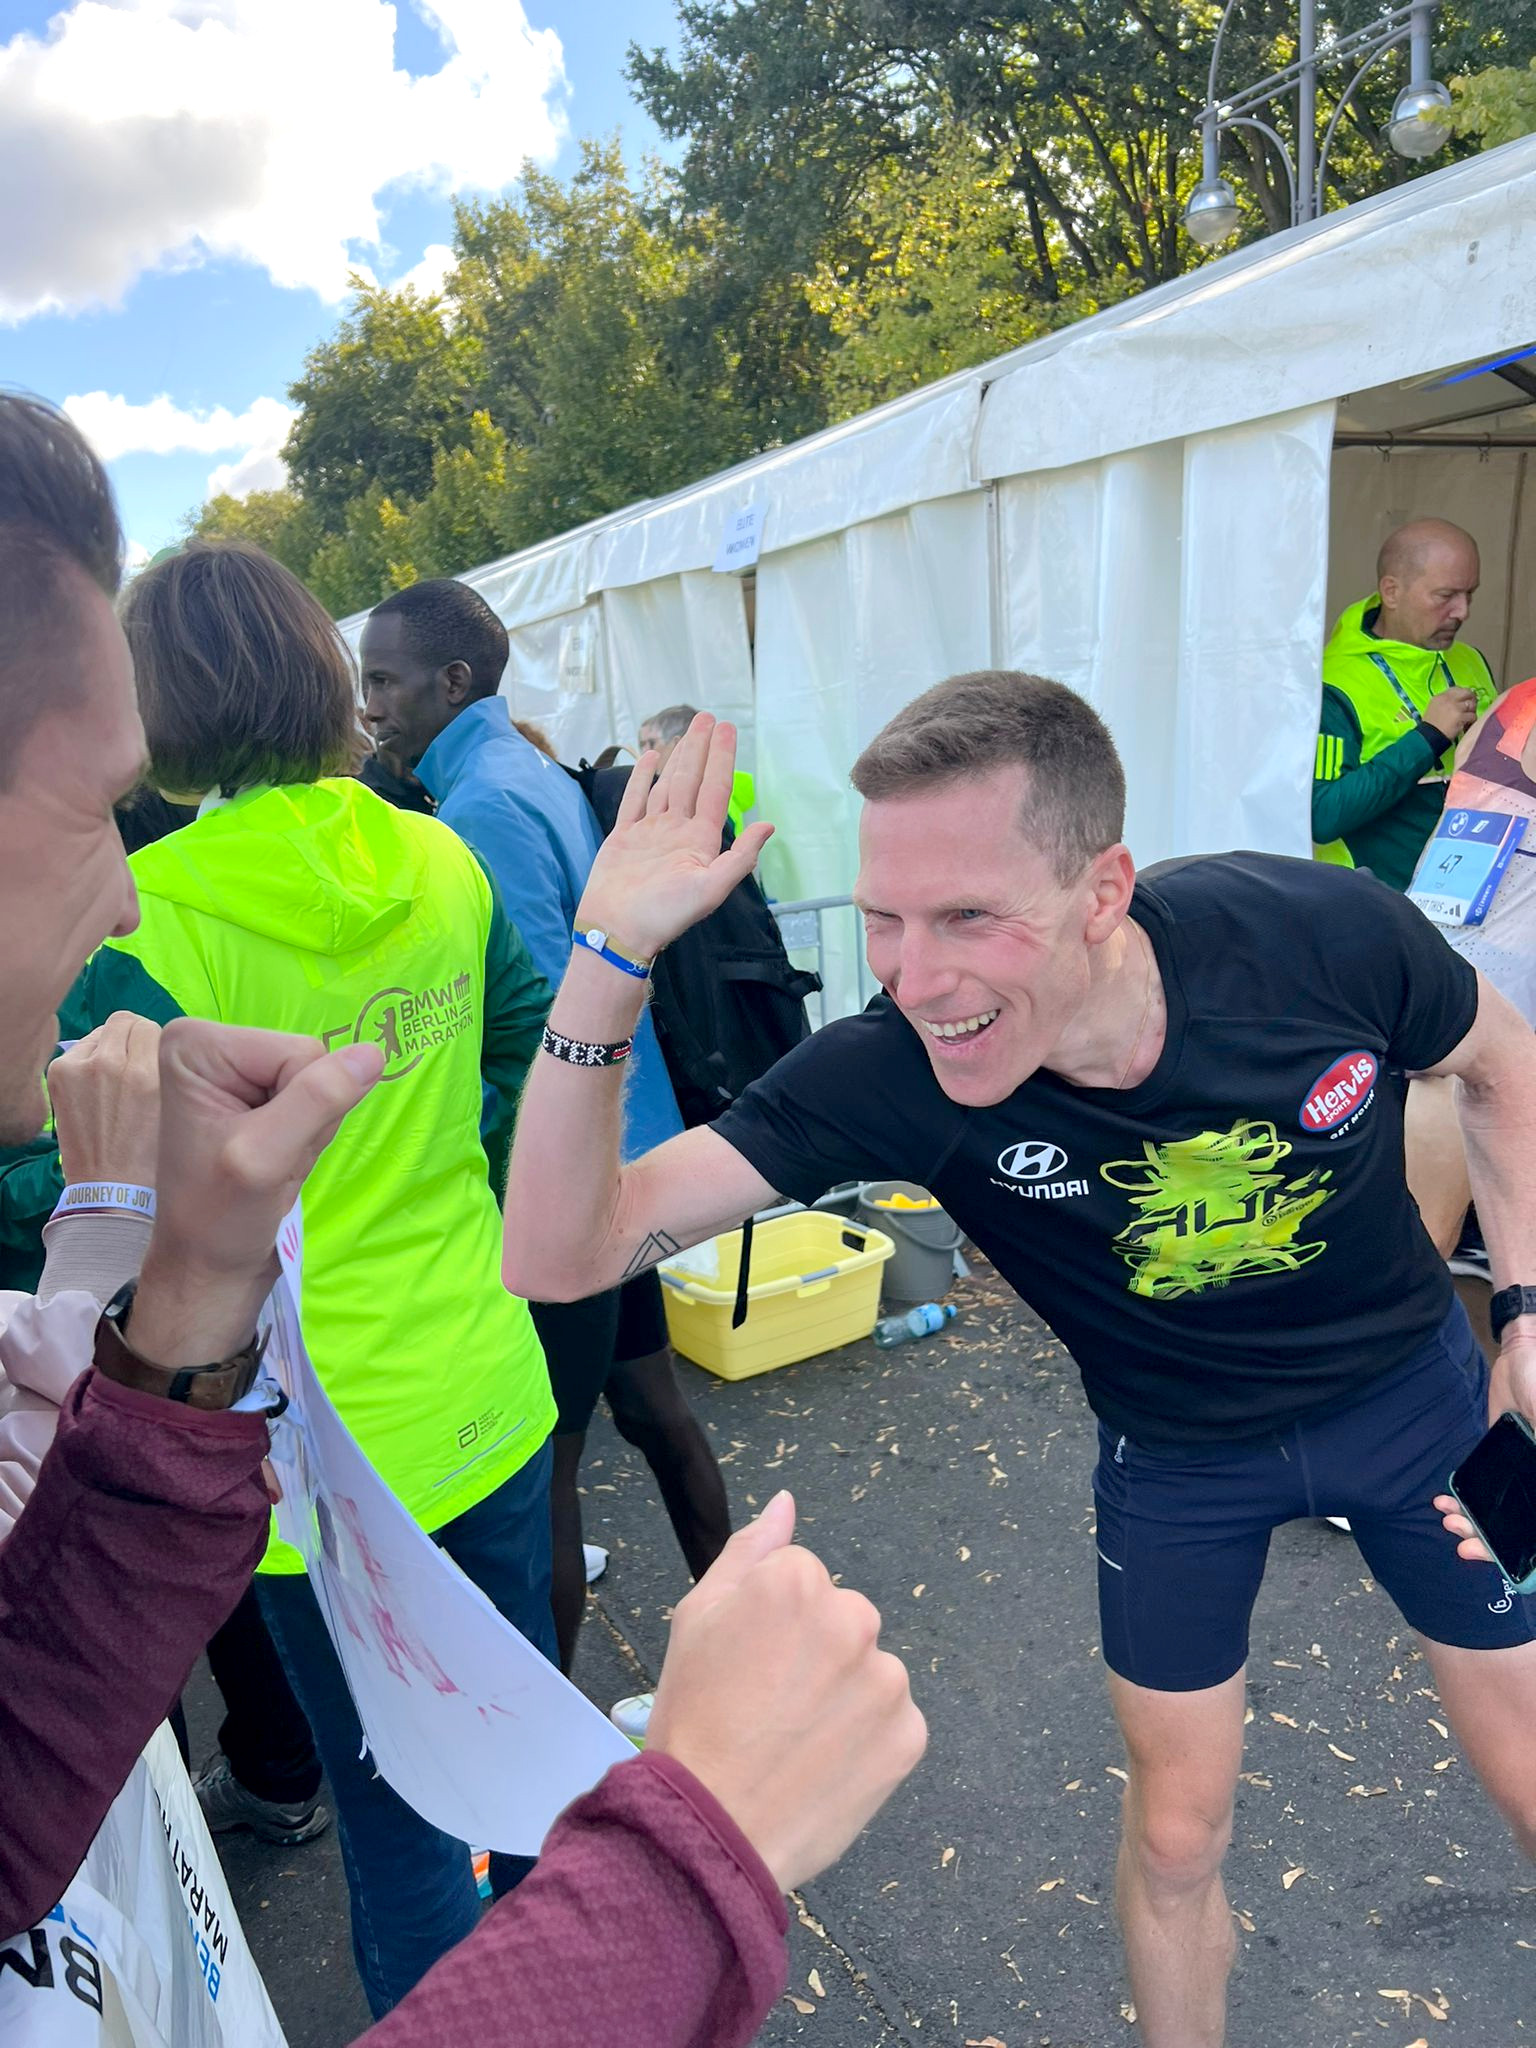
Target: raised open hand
<point>661,869</point>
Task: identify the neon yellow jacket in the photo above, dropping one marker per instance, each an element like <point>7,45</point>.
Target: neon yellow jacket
<point>318,908</point>
<point>1378,783</point>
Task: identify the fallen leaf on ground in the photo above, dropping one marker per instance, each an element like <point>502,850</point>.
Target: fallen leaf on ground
<point>1243,1920</point>
<point>1075,1786</point>
<point>1441,1730</point>
<point>814,1980</point>
<point>987,2041</point>
<point>1444,1763</point>
<point>1290,1877</point>
<point>1434,1880</point>
<point>1342,1754</point>
<point>802,2006</point>
<point>1051,1883</point>
<point>1284,1720</point>
<point>1128,2014</point>
<point>1115,1771</point>
<point>946,1859</point>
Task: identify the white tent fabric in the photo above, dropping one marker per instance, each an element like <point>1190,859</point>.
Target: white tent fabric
<point>1140,505</point>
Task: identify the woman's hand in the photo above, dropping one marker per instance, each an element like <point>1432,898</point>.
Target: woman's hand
<point>105,1093</point>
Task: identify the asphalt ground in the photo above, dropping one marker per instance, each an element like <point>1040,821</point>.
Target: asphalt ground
<point>1377,1898</point>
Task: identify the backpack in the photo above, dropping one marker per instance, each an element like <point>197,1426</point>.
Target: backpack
<point>727,1002</point>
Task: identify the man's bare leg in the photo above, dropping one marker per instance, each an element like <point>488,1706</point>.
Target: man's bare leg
<point>1184,1750</point>
<point>1489,1698</point>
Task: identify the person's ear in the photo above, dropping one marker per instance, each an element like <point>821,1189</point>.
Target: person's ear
<point>1110,878</point>
<point>455,682</point>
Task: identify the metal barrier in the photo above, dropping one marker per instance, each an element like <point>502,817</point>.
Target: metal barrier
<point>847,983</point>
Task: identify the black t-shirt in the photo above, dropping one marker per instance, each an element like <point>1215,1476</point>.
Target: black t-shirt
<point>1229,1245</point>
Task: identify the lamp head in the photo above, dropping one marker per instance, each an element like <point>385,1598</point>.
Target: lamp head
<point>1211,215</point>
<point>1419,125</point>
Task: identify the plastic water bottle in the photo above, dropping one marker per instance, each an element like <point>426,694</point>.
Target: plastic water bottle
<point>921,1321</point>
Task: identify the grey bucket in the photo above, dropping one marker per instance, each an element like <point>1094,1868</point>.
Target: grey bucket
<point>926,1241</point>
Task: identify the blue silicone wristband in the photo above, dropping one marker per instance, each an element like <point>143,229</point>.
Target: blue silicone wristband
<point>595,942</point>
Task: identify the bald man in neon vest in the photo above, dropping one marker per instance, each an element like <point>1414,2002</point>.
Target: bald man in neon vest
<point>1399,690</point>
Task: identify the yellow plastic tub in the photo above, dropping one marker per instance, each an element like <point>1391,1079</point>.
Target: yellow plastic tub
<point>814,1283</point>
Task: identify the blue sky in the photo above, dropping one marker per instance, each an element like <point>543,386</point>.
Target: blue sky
<point>201,172</point>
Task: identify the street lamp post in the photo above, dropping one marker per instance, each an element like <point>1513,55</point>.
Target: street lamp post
<point>1417,128</point>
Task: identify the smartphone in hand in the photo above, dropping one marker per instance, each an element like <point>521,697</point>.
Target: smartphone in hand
<point>1495,1487</point>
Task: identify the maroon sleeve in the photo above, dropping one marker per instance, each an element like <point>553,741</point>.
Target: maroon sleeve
<point>649,1917</point>
<point>144,1528</point>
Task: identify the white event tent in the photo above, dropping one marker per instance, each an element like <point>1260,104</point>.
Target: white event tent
<point>1164,506</point>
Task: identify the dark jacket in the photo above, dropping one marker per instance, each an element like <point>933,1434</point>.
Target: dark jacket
<point>726,999</point>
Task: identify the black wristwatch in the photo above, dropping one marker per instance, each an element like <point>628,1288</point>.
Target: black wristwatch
<point>1508,1303</point>
<point>215,1386</point>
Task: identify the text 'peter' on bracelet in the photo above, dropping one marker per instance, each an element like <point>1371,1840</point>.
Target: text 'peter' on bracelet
<point>583,1052</point>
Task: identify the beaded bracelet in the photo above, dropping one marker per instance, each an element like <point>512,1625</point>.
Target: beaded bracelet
<point>581,1052</point>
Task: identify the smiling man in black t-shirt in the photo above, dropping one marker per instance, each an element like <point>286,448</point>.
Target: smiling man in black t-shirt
<point>1170,1111</point>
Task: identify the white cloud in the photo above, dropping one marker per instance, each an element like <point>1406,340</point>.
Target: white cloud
<point>427,277</point>
<point>151,134</point>
<point>115,426</point>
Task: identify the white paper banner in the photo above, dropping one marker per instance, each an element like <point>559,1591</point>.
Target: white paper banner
<point>742,541</point>
<point>469,1723</point>
<point>144,1950</point>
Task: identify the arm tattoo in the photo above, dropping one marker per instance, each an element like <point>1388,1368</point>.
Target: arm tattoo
<point>652,1251</point>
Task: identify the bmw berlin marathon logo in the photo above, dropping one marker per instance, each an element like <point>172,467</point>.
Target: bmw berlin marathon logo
<point>1037,1169</point>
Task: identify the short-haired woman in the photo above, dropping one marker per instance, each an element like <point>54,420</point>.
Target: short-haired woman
<point>297,900</point>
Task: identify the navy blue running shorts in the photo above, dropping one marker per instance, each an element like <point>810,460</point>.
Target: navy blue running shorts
<point>1183,1531</point>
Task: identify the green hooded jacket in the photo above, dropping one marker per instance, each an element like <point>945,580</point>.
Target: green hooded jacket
<point>1378,781</point>
<point>318,908</point>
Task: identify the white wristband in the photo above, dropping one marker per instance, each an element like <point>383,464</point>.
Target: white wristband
<point>104,1198</point>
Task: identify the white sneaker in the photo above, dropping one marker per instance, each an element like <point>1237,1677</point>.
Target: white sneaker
<point>596,1561</point>
<point>1338,1522</point>
<point>632,1717</point>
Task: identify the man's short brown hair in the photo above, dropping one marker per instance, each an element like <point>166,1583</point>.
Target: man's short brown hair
<point>1074,806</point>
<point>57,523</point>
<point>242,675</point>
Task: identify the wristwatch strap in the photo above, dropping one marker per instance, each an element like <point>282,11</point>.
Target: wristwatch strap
<point>1508,1303</point>
<point>217,1386</point>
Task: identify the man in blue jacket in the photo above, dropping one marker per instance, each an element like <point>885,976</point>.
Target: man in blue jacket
<point>432,661</point>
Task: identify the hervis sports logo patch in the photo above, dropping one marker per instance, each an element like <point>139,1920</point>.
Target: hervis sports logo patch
<point>1339,1091</point>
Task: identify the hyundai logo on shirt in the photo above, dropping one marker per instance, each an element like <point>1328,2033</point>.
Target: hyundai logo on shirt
<point>1031,1166</point>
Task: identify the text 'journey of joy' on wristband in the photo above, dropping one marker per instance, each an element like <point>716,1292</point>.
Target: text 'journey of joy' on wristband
<point>105,1198</point>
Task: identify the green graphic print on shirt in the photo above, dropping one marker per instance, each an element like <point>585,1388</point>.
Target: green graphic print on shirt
<point>1214,1208</point>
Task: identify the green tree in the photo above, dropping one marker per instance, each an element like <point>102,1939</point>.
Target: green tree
<point>791,111</point>
<point>588,357</point>
<point>378,400</point>
<point>279,522</point>
<point>948,279</point>
<point>1496,105</point>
